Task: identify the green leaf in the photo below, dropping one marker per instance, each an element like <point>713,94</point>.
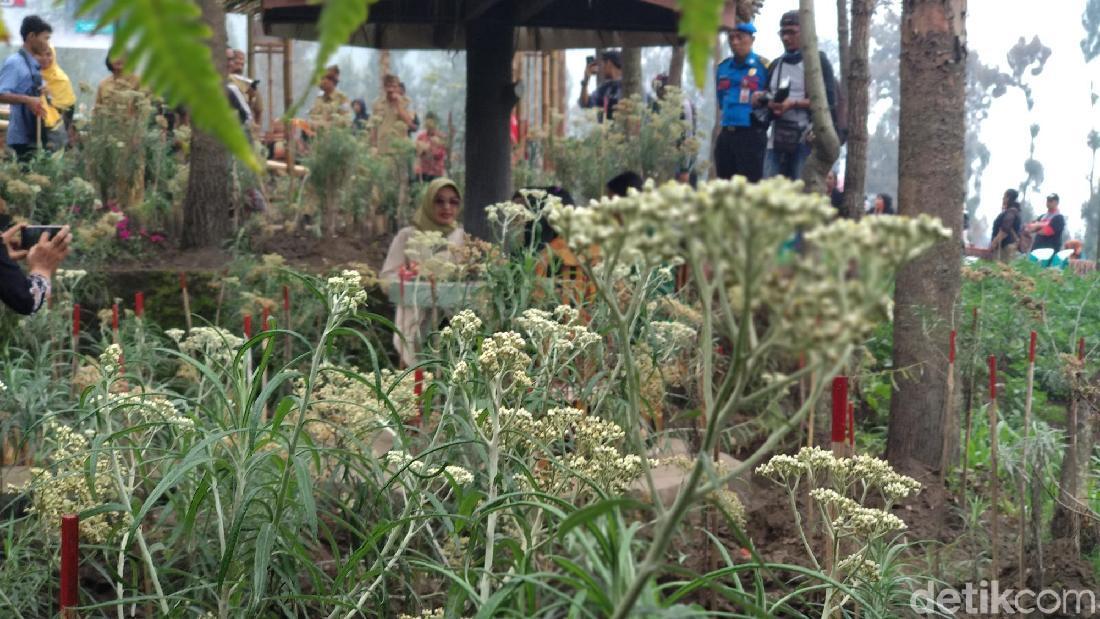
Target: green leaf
<point>593,511</point>
<point>265,541</point>
<point>699,21</point>
<point>167,41</point>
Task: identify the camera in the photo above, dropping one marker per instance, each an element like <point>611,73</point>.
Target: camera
<point>761,112</point>
<point>589,60</point>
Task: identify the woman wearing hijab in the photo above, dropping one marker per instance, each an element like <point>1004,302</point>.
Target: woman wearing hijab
<point>59,100</point>
<point>438,212</point>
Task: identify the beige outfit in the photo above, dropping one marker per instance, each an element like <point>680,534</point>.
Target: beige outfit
<point>411,320</point>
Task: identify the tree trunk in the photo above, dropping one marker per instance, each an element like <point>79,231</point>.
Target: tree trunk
<point>857,78</point>
<point>489,102</point>
<point>826,144</point>
<point>676,67</point>
<point>931,148</point>
<point>208,204</point>
<point>632,72</point>
<point>843,37</point>
<point>1067,520</point>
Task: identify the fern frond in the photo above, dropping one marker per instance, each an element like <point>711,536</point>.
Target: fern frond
<point>699,21</point>
<point>167,40</point>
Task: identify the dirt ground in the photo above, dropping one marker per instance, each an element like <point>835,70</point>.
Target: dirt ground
<point>302,250</point>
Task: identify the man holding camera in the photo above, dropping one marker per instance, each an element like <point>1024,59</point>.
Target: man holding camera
<point>21,87</point>
<point>789,147</point>
<point>609,92</point>
<point>740,86</point>
<point>27,293</point>
<point>248,88</point>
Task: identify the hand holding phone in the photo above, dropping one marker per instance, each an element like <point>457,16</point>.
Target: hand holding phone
<point>31,235</point>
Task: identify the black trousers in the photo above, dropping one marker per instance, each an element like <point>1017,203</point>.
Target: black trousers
<point>739,151</point>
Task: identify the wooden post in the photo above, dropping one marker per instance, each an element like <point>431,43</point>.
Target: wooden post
<point>70,562</point>
<point>139,304</point>
<point>948,401</point>
<point>840,416</point>
<point>1021,565</point>
<point>186,300</point>
<point>994,480</point>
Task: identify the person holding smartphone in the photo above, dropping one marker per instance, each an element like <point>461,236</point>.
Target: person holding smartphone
<point>26,293</point>
<point>610,91</point>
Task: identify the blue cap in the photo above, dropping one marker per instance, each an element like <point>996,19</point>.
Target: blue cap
<point>746,27</point>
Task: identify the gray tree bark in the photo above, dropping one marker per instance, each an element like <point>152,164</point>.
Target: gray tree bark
<point>932,181</point>
<point>676,67</point>
<point>826,144</point>
<point>857,78</point>
<point>207,207</point>
<point>844,39</point>
<point>632,72</point>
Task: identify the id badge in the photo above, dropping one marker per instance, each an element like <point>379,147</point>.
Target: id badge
<point>746,95</point>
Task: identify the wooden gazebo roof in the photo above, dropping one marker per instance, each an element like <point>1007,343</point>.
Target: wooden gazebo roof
<point>538,24</point>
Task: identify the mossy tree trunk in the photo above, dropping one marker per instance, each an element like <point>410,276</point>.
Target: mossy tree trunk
<point>932,181</point>
<point>857,77</point>
<point>207,208</point>
<point>826,144</point>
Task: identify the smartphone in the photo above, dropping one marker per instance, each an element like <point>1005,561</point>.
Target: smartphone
<point>31,234</point>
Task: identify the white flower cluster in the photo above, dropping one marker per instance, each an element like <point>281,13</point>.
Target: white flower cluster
<point>853,518</point>
<point>871,473</point>
<point>214,344</point>
<point>667,338</point>
<point>429,251</point>
<point>508,213</point>
<point>3,387</point>
<point>398,460</point>
<point>137,408</point>
<point>69,278</point>
<point>464,328</point>
<point>345,292</point>
<point>343,401</point>
<point>110,360</point>
<point>858,567</point>
<point>559,333</point>
<point>432,613</point>
<point>502,356</point>
<point>842,288</point>
<point>589,444</point>
<point>62,488</point>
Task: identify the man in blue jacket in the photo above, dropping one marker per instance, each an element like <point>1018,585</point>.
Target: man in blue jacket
<point>741,81</point>
<point>21,87</point>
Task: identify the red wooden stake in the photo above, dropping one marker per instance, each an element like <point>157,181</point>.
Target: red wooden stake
<point>1081,349</point>
<point>183,280</point>
<point>70,560</point>
<point>114,321</point>
<point>951,353</point>
<point>265,316</point>
<point>1031,348</point>
<point>76,321</point>
<point>139,304</point>
<point>286,299</point>
<point>840,414</point>
<point>248,327</point>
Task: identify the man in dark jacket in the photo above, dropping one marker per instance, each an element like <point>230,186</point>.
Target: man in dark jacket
<point>788,148</point>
